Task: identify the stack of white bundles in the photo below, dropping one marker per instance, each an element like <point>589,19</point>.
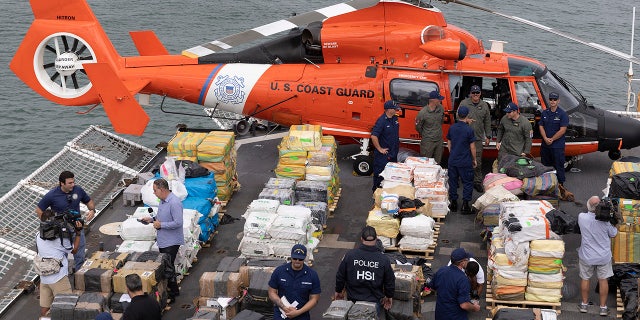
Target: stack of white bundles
<point>190,227</point>
<point>285,196</point>
<point>255,247</point>
<point>417,233</point>
<point>385,225</point>
<point>517,252</point>
<point>282,247</point>
<point>293,223</point>
<point>312,191</point>
<point>319,213</point>
<point>397,172</point>
<point>508,280</point>
<point>280,183</point>
<point>135,246</point>
<point>389,203</point>
<point>527,228</point>
<point>192,246</point>
<point>263,205</point>
<point>132,229</point>
<point>425,174</point>
<point>497,194</point>
<point>433,194</point>
<point>439,208</point>
<point>182,262</point>
<point>257,224</point>
<point>403,190</point>
<point>423,190</point>
<point>546,277</point>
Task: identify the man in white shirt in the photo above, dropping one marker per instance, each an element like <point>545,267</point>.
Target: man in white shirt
<point>479,276</point>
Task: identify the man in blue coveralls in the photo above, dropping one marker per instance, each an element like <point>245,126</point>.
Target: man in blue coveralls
<point>553,124</point>
<point>385,137</point>
<point>296,282</point>
<point>462,160</point>
<point>67,197</point>
<point>452,286</point>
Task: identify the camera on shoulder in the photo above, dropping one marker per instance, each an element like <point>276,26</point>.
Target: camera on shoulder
<point>606,211</point>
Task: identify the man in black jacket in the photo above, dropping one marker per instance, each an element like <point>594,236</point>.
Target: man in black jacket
<point>366,273</point>
<point>143,306</point>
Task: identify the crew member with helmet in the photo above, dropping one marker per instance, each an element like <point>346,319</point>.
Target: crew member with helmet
<point>462,160</point>
<point>553,124</point>
<point>66,197</point>
<point>480,116</point>
<point>514,133</point>
<point>385,137</point>
<point>366,273</point>
<point>429,125</point>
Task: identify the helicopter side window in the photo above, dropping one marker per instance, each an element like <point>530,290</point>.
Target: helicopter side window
<point>410,92</point>
<point>527,98</point>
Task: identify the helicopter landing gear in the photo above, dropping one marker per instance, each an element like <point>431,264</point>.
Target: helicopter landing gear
<point>242,127</point>
<point>363,165</point>
<point>614,154</point>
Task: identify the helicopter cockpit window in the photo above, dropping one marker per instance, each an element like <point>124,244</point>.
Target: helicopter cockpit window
<point>549,82</point>
<point>527,98</point>
<point>409,92</point>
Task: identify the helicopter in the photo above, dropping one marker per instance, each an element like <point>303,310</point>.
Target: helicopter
<point>333,67</point>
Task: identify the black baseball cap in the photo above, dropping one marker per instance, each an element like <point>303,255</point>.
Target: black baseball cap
<point>369,233</point>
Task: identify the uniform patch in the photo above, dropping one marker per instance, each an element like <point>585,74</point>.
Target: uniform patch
<point>229,90</point>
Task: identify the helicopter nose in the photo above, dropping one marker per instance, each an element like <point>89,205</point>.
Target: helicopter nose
<point>617,126</point>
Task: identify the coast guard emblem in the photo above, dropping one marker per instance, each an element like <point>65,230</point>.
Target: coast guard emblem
<point>229,90</point>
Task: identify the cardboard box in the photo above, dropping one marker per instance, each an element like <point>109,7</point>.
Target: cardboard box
<point>148,280</point>
<point>220,284</point>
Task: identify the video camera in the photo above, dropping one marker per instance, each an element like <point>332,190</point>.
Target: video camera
<point>606,211</point>
<point>60,225</point>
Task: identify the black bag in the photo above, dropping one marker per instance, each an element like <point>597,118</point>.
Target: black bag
<point>562,223</point>
<point>521,167</point>
<point>192,169</point>
<point>625,185</point>
<point>514,314</point>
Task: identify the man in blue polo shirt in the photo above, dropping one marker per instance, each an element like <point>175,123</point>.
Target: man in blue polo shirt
<point>67,196</point>
<point>553,124</point>
<point>296,284</point>
<point>462,160</point>
<point>452,286</point>
<point>385,138</point>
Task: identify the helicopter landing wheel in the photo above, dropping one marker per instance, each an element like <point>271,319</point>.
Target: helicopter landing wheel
<point>568,163</point>
<point>363,165</point>
<point>614,154</point>
<point>242,127</point>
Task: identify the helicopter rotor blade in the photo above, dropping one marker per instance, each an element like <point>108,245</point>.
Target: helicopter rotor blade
<point>594,45</point>
<point>276,27</point>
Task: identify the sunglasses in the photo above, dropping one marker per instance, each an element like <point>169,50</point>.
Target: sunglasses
<point>296,259</point>
<point>553,99</point>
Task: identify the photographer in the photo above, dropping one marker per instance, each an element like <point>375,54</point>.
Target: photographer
<point>66,197</point>
<point>54,244</point>
<point>597,227</point>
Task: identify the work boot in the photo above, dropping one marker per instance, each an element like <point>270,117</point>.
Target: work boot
<point>466,208</point>
<point>453,206</point>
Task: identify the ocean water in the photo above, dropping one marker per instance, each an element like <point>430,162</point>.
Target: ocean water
<point>33,129</point>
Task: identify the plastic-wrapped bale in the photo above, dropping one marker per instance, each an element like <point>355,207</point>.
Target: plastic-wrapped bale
<point>128,246</point>
<point>432,194</point>
<point>257,296</point>
<point>290,171</point>
<point>185,144</point>
<point>510,183</point>
<point>165,269</point>
<point>282,247</point>
<point>419,226</point>
<point>288,157</point>
<point>269,264</point>
<point>220,284</point>
<point>255,247</point>
<point>406,286</point>
<point>280,183</point>
<point>385,225</point>
<point>319,212</point>
<point>618,167</point>
<point>227,307</point>
<point>303,137</point>
<point>318,173</point>
<point>206,313</point>
<point>89,305</point>
<point>250,315</point>
<point>397,172</point>
<point>257,224</point>
<point>362,310</point>
<point>117,303</point>
<point>426,175</point>
<point>263,205</point>
<point>406,191</point>
<point>337,310</point>
<point>285,196</point>
<point>402,310</point>
<point>229,161</point>
<point>390,203</point>
<point>415,161</point>
<point>292,223</point>
<point>549,281</point>
<point>215,146</point>
<point>311,191</point>
<point>231,264</point>
<point>629,207</point>
<point>543,185</point>
<point>93,279</point>
<point>132,229</point>
<point>322,158</point>
<point>63,306</point>
<point>508,293</point>
<point>497,194</point>
<point>110,259</point>
<point>151,266</point>
<point>225,190</point>
<point>491,215</point>
<point>543,294</point>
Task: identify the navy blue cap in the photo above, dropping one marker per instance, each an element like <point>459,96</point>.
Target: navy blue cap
<point>459,254</point>
<point>463,111</point>
<point>369,233</point>
<point>435,95</point>
<point>391,105</point>
<point>475,88</point>
<point>299,252</point>
<point>554,95</point>
<point>511,107</point>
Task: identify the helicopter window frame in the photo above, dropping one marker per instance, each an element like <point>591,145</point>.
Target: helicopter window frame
<point>411,92</point>
<point>548,82</point>
<point>431,33</point>
<point>527,97</point>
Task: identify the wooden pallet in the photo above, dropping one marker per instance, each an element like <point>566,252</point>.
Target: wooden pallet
<point>619,304</point>
<point>492,303</point>
<point>439,219</point>
<point>333,206</point>
<point>209,241</point>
